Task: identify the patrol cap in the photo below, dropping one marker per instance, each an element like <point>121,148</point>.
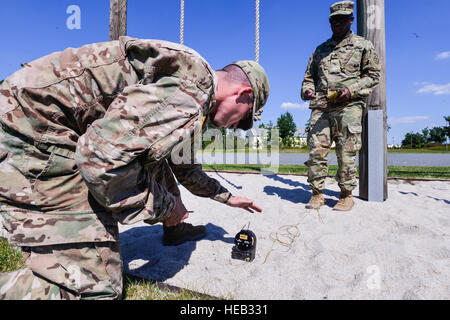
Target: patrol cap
<point>342,8</point>
<point>260,86</point>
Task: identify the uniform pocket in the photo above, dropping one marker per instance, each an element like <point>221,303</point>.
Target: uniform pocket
<point>354,63</point>
<point>79,267</point>
<point>111,267</point>
<point>59,186</point>
<point>34,162</point>
<point>353,142</point>
<point>335,64</point>
<point>351,118</point>
<point>355,128</point>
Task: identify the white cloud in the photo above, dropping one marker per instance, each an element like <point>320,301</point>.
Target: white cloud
<point>436,89</point>
<point>443,55</point>
<point>298,106</point>
<point>407,119</point>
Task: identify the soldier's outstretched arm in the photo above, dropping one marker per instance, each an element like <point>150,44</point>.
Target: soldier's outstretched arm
<point>193,178</point>
<point>144,121</point>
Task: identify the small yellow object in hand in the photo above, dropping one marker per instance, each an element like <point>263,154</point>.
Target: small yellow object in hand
<point>333,96</point>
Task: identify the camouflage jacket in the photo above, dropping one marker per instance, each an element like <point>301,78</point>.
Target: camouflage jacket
<point>351,62</point>
<point>79,129</point>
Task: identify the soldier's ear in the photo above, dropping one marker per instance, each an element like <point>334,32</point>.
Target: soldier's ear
<point>244,95</point>
<point>246,91</point>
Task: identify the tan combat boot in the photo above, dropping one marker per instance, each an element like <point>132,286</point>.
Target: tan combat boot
<point>345,202</point>
<point>316,200</point>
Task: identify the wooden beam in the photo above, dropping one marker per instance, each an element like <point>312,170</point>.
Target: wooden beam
<point>117,19</point>
<point>371,25</point>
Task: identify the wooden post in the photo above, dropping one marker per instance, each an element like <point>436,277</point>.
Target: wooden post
<point>371,25</point>
<point>117,19</point>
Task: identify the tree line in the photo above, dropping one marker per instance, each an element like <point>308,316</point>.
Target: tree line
<point>438,135</point>
<point>286,128</point>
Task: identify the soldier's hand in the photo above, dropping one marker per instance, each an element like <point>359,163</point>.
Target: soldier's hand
<point>309,95</point>
<point>345,95</point>
<point>178,215</point>
<point>244,203</point>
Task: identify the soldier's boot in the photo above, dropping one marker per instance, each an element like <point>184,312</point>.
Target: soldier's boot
<point>345,202</point>
<point>181,233</point>
<point>316,200</point>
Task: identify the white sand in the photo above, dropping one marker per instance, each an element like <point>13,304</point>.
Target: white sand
<point>398,249</point>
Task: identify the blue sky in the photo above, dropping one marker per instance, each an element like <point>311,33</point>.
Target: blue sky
<point>222,31</point>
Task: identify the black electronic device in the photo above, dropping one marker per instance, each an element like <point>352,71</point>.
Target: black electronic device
<point>244,245</point>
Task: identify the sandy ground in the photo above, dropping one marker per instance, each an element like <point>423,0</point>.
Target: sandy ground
<point>398,249</point>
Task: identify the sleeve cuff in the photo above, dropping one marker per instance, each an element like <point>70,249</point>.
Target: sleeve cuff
<point>222,197</point>
<point>353,92</point>
<point>302,94</point>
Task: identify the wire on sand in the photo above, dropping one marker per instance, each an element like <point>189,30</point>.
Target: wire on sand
<point>286,235</point>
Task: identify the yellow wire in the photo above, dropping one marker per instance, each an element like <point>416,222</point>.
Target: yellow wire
<point>291,236</point>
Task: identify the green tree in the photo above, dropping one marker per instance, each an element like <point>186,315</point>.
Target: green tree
<point>447,127</point>
<point>413,140</point>
<point>269,126</point>
<point>286,125</point>
<point>437,135</point>
<point>426,135</point>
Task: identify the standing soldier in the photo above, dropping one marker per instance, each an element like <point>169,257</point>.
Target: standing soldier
<point>86,137</point>
<point>340,74</point>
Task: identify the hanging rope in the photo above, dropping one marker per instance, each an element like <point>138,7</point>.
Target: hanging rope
<point>182,22</point>
<point>257,32</point>
<point>256,27</point>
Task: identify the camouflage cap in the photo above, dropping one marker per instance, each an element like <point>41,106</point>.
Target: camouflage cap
<point>260,85</point>
<point>343,8</point>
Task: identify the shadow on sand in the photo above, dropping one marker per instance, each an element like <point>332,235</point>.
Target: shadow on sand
<point>301,194</point>
<point>145,256</point>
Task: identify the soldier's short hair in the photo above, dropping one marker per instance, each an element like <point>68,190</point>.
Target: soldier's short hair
<point>236,75</point>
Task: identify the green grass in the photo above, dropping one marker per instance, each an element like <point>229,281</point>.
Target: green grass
<point>419,172</point>
<point>393,171</point>
<point>256,168</point>
<point>434,149</point>
<point>139,289</point>
<point>10,257</point>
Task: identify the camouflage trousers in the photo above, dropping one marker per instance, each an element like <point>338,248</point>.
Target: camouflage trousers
<point>344,128</point>
<point>91,270</point>
<point>66,271</point>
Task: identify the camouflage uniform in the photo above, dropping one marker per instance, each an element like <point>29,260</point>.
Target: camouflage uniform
<point>85,138</point>
<point>352,63</point>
